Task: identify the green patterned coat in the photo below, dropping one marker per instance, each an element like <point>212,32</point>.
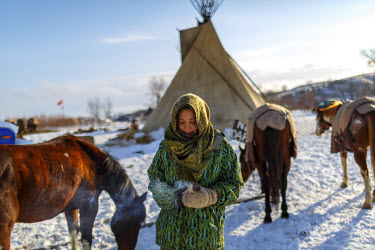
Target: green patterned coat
<point>194,228</point>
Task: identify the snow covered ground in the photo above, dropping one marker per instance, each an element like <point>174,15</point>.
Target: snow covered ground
<point>322,215</point>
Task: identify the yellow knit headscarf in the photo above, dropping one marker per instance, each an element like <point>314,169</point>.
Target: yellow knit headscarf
<point>192,154</point>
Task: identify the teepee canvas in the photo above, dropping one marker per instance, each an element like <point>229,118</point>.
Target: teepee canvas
<point>209,72</point>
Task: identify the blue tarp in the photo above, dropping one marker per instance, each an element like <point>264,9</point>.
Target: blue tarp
<point>7,136</point>
<point>8,133</point>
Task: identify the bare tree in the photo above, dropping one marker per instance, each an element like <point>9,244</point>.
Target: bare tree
<point>156,89</point>
<point>93,107</point>
<point>370,56</point>
<point>107,108</point>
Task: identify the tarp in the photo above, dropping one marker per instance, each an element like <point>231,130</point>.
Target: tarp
<point>9,125</point>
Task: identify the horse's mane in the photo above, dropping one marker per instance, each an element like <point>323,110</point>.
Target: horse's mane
<point>117,182</point>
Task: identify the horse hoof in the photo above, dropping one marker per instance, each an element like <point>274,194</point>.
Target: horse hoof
<point>267,220</point>
<point>366,206</point>
<point>344,185</point>
<point>284,215</point>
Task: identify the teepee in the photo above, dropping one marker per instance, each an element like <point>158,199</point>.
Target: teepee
<point>209,72</point>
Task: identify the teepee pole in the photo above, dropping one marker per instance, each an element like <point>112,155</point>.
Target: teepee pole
<point>206,8</point>
<point>221,75</point>
<point>248,77</point>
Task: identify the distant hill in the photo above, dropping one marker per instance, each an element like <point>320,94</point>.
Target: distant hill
<point>307,96</point>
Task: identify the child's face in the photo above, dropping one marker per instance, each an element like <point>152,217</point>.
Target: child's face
<point>187,121</point>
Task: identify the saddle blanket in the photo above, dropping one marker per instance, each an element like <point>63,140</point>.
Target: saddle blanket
<point>341,137</point>
<point>273,116</point>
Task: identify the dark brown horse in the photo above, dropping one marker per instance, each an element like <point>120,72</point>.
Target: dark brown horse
<point>66,175</point>
<point>269,151</point>
<point>353,129</point>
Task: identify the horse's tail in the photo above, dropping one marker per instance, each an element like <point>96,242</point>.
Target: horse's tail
<point>274,163</point>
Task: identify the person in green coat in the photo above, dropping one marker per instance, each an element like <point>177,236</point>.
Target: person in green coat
<point>193,176</point>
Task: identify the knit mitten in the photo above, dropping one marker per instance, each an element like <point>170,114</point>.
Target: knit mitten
<point>204,197</point>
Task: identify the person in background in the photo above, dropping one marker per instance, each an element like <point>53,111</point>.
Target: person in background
<point>193,176</point>
<point>134,125</point>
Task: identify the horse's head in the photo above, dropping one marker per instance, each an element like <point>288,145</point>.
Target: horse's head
<point>246,167</point>
<point>126,222</point>
<point>321,124</point>
<point>325,116</point>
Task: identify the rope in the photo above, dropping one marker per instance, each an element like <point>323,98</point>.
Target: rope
<point>248,77</point>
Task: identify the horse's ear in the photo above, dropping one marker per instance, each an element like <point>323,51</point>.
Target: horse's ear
<point>143,197</point>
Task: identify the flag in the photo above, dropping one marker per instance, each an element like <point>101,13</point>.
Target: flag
<point>60,103</point>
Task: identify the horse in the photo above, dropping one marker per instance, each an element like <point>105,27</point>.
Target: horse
<point>353,129</point>
<point>271,142</point>
<point>32,124</point>
<point>21,127</point>
<point>66,175</point>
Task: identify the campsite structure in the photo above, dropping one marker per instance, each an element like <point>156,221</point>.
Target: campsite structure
<point>208,71</point>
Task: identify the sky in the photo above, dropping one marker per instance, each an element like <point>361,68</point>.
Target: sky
<point>80,50</point>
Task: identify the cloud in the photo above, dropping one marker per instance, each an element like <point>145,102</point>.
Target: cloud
<point>127,39</point>
<point>273,79</point>
<point>323,53</point>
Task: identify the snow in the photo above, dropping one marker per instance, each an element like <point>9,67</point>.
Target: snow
<point>322,215</point>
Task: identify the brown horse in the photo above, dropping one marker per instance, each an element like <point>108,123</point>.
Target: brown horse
<point>66,175</point>
<point>353,129</point>
<point>269,151</point>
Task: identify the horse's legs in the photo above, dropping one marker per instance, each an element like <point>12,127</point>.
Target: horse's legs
<point>8,215</point>
<point>5,231</point>
<point>284,207</point>
<point>87,217</point>
<point>344,164</point>
<point>268,209</point>
<point>286,155</point>
<point>72,220</point>
<point>262,184</point>
<point>360,158</point>
<point>284,185</point>
<point>9,208</point>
